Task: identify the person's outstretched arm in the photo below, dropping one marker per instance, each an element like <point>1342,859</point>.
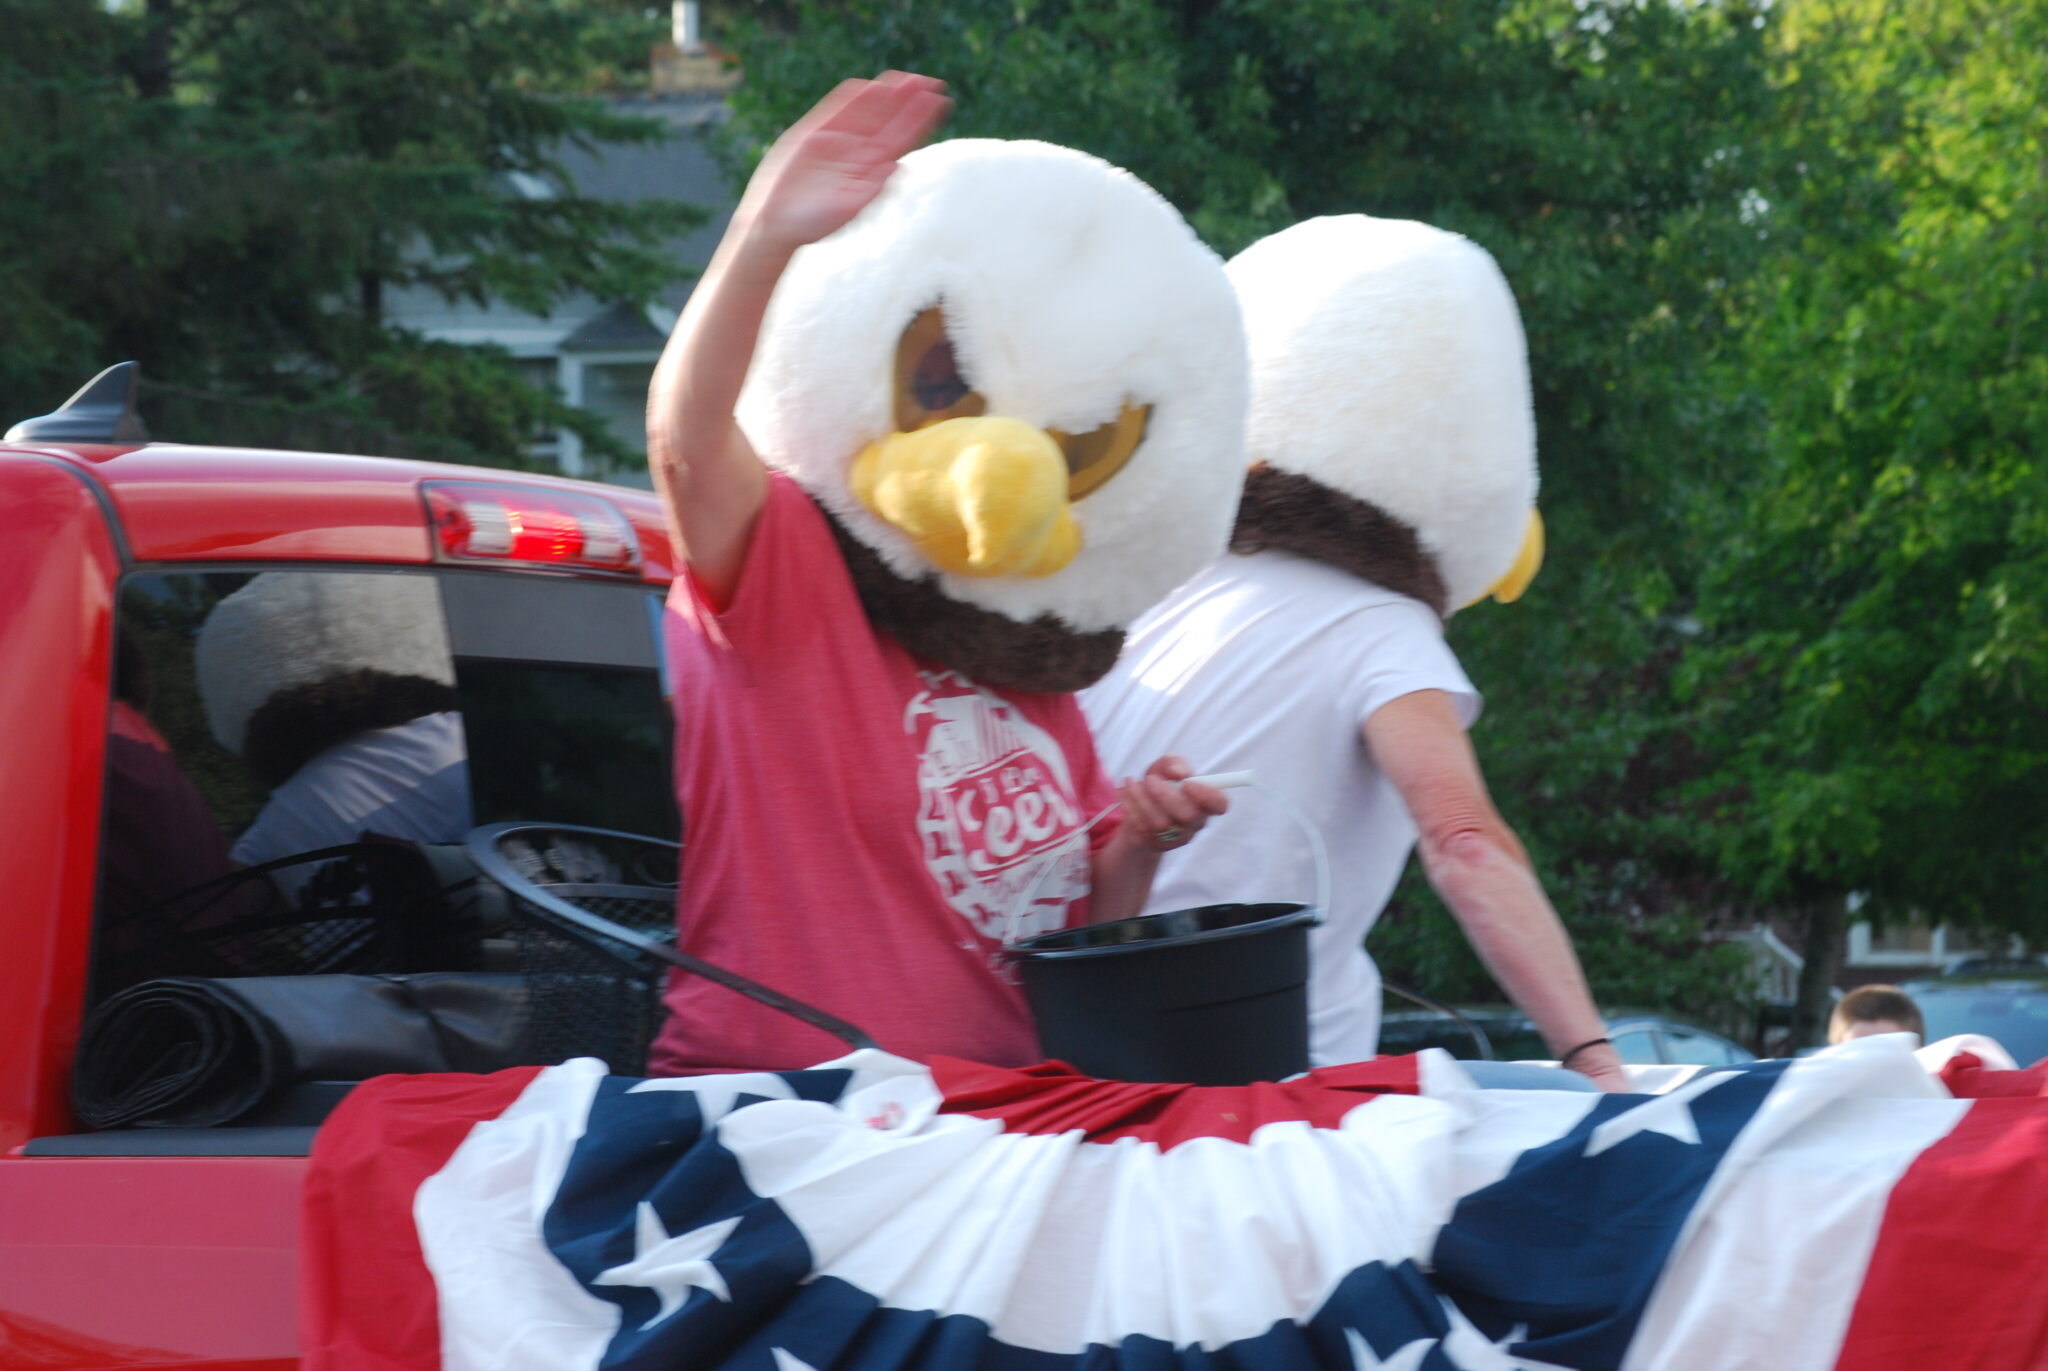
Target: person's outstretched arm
<point>819,174</point>
<point>1479,867</point>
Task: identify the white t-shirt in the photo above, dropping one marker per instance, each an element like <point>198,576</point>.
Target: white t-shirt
<point>410,781</point>
<point>1271,663</point>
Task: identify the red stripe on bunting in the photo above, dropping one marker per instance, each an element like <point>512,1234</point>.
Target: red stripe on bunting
<point>1053,1098</point>
<point>366,1299</point>
<point>1967,1078</point>
<point>1959,1277</point>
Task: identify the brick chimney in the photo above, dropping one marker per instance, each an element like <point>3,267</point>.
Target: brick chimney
<point>686,64</point>
<point>684,29</point>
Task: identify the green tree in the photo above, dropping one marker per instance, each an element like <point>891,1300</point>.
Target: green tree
<point>1601,151</point>
<point>1877,651</point>
<point>62,113</point>
<point>229,193</point>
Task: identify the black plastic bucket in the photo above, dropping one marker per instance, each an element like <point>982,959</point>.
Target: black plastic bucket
<point>1216,995</point>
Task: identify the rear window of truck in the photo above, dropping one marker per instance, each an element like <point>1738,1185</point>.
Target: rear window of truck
<point>275,733</point>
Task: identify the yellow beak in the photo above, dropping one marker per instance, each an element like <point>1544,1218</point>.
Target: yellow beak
<point>979,496</point>
<point>1528,562</point>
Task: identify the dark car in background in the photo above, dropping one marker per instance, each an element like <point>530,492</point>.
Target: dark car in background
<point>1643,1039</point>
<point>2008,1004</point>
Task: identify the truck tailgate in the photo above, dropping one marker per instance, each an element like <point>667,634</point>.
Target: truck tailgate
<point>188,1262</point>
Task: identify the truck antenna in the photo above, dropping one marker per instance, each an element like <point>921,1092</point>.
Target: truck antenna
<point>103,411</point>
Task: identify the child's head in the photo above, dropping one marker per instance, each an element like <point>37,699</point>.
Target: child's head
<point>1875,1009</point>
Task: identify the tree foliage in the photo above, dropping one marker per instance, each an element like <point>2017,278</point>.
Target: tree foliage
<point>229,192</point>
<point>1877,656</point>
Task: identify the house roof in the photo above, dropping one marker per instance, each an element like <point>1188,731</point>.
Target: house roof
<point>684,166</point>
<point>621,328</point>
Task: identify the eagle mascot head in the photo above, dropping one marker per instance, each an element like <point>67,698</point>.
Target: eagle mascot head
<point>294,662</point>
<point>1391,430</point>
<point>1016,385</point>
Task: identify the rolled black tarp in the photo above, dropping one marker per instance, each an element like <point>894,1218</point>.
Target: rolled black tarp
<point>191,1052</point>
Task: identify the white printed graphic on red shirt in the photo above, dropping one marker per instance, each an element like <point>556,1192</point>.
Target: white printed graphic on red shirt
<point>996,800</point>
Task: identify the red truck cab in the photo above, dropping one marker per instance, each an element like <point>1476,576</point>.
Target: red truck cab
<point>177,1247</point>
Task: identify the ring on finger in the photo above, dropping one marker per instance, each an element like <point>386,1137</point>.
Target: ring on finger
<point>1170,837</point>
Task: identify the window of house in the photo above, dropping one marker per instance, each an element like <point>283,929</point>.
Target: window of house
<point>1957,941</point>
<point>1916,943</point>
<point>616,392</point>
<point>1902,937</point>
<point>542,373</point>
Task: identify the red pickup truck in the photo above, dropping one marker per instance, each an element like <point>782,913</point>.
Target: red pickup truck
<point>136,673</point>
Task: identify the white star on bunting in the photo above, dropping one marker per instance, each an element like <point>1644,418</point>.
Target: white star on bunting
<point>716,1095</point>
<point>789,1361</point>
<point>1669,1114</point>
<point>1406,1358</point>
<point>1469,1348</point>
<point>672,1266</point>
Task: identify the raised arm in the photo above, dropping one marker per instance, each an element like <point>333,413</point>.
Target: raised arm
<point>1479,867</point>
<point>818,175</point>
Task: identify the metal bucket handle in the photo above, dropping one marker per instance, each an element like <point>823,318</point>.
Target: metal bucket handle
<point>1222,780</point>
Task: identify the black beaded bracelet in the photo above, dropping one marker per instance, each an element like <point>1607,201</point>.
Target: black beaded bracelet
<point>1566,1059</point>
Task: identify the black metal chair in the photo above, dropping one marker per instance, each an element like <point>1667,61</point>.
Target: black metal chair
<point>593,932</point>
<point>364,908</point>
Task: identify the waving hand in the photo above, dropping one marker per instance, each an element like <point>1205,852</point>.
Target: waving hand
<point>830,164</point>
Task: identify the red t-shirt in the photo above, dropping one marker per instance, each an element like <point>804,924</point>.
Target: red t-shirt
<point>861,827</point>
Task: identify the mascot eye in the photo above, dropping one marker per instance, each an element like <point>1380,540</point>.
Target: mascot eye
<point>1100,453</point>
<point>929,386</point>
<point>936,383</point>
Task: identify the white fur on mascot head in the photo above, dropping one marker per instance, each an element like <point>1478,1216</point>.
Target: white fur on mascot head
<point>1012,281</point>
<point>1389,370</point>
